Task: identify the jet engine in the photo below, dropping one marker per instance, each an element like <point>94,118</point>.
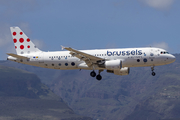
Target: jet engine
<point>122,71</point>
<point>113,64</point>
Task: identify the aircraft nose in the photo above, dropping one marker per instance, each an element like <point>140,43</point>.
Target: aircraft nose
<point>173,58</point>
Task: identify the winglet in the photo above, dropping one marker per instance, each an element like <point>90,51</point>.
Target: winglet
<point>62,47</point>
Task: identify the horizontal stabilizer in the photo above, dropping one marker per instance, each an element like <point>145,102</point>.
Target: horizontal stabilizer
<point>17,56</point>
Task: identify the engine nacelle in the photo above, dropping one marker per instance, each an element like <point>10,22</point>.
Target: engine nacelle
<point>113,64</point>
<point>122,71</point>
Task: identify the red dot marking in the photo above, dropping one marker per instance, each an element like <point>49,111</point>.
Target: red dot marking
<point>21,33</point>
<point>15,47</point>
<point>28,40</point>
<point>21,40</point>
<point>22,47</point>
<point>28,46</point>
<point>15,40</point>
<point>14,33</point>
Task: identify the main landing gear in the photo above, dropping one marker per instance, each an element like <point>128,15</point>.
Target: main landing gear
<point>152,69</point>
<point>93,74</point>
<point>98,77</point>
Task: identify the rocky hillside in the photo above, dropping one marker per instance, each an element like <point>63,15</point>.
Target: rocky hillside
<point>116,97</point>
<point>163,104</point>
<point>23,96</point>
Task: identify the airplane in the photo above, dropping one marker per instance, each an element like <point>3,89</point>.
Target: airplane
<point>117,61</point>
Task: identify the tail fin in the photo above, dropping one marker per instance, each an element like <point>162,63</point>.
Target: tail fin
<point>23,44</point>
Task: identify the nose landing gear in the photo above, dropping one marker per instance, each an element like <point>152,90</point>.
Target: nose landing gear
<point>153,73</point>
<point>152,69</point>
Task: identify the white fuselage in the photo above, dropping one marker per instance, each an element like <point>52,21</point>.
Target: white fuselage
<point>117,61</point>
<point>130,57</point>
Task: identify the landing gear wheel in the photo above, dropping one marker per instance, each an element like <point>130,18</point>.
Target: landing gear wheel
<point>152,69</point>
<point>99,77</point>
<point>93,74</point>
<point>153,73</point>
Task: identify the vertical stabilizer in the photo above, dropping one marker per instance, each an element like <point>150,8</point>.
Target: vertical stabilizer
<point>23,44</point>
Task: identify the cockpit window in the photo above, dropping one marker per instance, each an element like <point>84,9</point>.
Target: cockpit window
<point>164,52</point>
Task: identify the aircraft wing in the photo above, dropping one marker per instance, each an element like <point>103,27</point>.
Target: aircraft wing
<point>89,59</point>
<point>17,56</point>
